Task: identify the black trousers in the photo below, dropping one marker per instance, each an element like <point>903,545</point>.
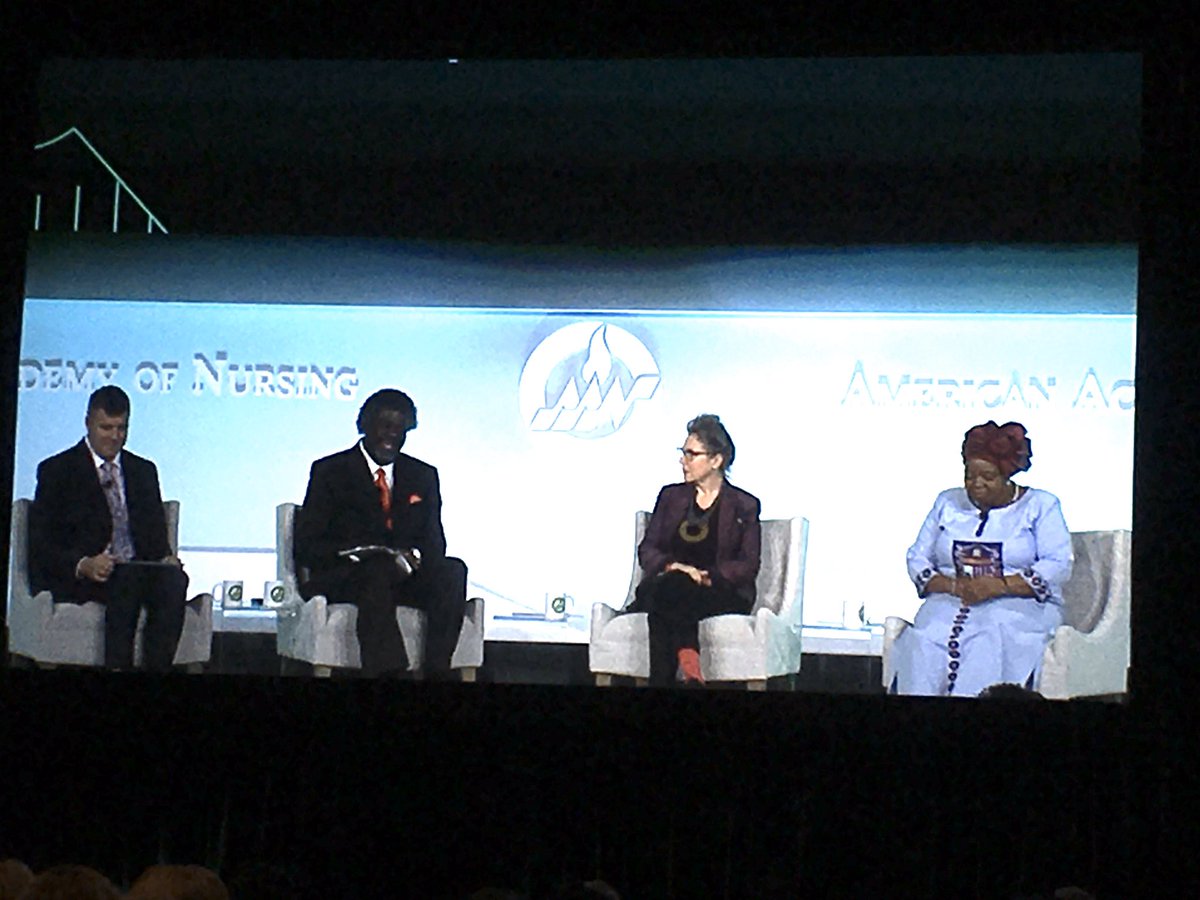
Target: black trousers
<point>162,591</point>
<point>376,586</point>
<point>674,606</point>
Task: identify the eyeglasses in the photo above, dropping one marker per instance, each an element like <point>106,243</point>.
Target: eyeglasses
<point>692,454</point>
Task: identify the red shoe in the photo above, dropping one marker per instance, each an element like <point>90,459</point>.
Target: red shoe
<point>689,665</point>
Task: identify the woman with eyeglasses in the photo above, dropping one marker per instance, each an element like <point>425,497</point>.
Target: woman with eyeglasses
<point>700,553</point>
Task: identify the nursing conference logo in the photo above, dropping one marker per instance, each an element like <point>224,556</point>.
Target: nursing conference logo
<point>584,380</point>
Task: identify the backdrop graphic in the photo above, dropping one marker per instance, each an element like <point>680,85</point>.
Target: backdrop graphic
<point>552,426</point>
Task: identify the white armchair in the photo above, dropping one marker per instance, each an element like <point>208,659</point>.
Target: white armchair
<point>324,634</point>
<point>51,633</point>
<point>749,648</point>
<point>1089,653</point>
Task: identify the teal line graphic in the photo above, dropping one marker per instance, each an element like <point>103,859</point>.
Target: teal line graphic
<point>152,221</point>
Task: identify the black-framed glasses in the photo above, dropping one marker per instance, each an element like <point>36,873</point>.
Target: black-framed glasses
<point>692,454</point>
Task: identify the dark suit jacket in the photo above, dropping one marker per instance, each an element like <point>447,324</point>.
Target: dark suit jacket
<point>342,510</point>
<point>70,519</point>
<point>739,534</point>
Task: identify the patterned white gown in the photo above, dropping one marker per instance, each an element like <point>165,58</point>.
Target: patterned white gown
<point>954,650</point>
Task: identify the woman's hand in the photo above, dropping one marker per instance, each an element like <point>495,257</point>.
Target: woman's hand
<point>971,590</point>
<point>940,584</point>
<point>697,575</point>
<point>976,590</point>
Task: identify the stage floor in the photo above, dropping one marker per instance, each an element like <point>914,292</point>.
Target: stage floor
<point>253,653</point>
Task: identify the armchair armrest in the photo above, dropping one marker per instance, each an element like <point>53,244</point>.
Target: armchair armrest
<point>474,610</point>
<point>28,617</point>
<point>1080,664</point>
<point>200,603</point>
<point>893,626</point>
<point>602,614</point>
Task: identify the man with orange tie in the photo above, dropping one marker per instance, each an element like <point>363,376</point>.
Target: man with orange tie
<point>370,533</point>
<point>97,532</point>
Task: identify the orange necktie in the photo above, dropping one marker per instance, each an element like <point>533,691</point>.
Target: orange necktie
<point>385,495</point>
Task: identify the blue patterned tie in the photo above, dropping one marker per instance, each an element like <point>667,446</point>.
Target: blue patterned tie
<point>121,546</point>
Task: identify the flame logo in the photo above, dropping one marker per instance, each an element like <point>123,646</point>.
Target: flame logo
<point>599,363</point>
<point>584,380</point>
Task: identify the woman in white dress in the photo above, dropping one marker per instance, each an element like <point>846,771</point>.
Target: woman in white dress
<point>990,562</point>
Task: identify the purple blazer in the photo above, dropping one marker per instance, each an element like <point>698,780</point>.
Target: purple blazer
<point>739,534</point>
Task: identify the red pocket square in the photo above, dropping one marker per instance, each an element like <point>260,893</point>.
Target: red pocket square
<point>414,498</point>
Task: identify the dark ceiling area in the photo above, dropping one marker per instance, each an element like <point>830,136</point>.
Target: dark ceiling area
<point>666,151</point>
<point>580,112</point>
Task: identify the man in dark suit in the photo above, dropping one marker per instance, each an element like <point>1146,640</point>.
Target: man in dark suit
<point>372,495</point>
<point>97,532</point>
